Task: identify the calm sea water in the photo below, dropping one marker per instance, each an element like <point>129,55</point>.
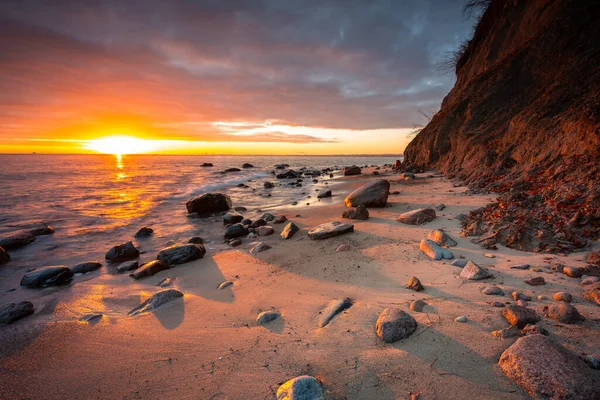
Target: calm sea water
<point>96,201</point>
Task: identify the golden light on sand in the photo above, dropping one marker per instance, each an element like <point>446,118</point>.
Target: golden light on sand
<point>121,144</point>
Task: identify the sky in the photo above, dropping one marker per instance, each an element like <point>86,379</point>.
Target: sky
<point>217,76</point>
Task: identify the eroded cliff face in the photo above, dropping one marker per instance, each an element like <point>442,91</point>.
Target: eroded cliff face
<point>523,119</point>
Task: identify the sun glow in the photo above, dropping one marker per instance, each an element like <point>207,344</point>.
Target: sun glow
<point>120,144</point>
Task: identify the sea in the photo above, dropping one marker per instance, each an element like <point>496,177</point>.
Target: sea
<point>94,202</point>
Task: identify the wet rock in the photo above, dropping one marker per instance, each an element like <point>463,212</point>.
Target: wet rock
<point>592,293</point>
<point>417,305</point>
<point>47,276</point>
<point>258,222</point>
<point>414,284</point>
<point>289,174</point>
<point>493,291</point>
<point>4,257</point>
<point>512,331</point>
<point>122,252</point>
<point>417,217</point>
<point>394,324</point>
<point>224,285</point>
<point>563,296</point>
<point>360,213</point>
<point>440,207</point>
<point>144,232</point>
<point>12,312</point>
<point>247,165</point>
<point>536,281</point>
<point>85,267</point>
<point>229,170</point>
<point>289,230</point>
<point>22,237</point>
<point>267,316</point>
<point>462,319</point>
<point>546,370</point>
<point>352,170</point>
<point>324,194</point>
<point>148,269</point>
<point>206,164</point>
<point>301,388</point>
<point>564,312</point>
<point>268,217</point>
<point>235,231</point>
<point>433,251</point>
<point>260,247</point>
<point>280,219</point>
<point>158,299</point>
<point>265,230</point>
<point>196,240</point>
<point>520,296</point>
<point>232,218</point>
<point>330,229</point>
<point>573,272</point>
<point>334,307</point>
<point>474,272</point>
<point>520,316</point>
<point>372,194</point>
<point>441,238</point>
<point>208,203</point>
<point>127,266</point>
<point>181,253</point>
<point>531,329</point>
<point>460,263</point>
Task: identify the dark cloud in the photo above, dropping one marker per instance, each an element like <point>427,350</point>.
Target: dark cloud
<point>351,64</point>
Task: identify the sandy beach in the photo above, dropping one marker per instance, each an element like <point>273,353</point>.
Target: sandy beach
<point>209,346</point>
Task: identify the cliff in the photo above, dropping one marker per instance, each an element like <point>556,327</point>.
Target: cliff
<point>523,119</point>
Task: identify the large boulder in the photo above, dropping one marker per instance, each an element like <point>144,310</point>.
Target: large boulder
<point>122,252</point>
<point>329,229</point>
<point>372,194</point>
<point>394,324</point>
<point>12,312</point>
<point>157,300</point>
<point>359,212</point>
<point>181,253</point>
<point>546,370</point>
<point>4,257</point>
<point>47,276</point>
<point>417,217</point>
<point>22,237</point>
<point>434,251</point>
<point>148,269</point>
<point>301,388</point>
<point>208,203</point>
<point>352,170</point>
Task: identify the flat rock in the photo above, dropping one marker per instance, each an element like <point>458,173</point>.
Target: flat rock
<point>158,299</point>
<point>563,296</point>
<point>372,194</point>
<point>520,316</point>
<point>268,217</point>
<point>417,217</point>
<point>493,291</point>
<point>235,231</point>
<point>85,267</point>
<point>22,237</point>
<point>536,281</point>
<point>265,230</point>
<point>148,269</point>
<point>531,329</point>
<point>288,174</point>
<point>414,284</point>
<point>47,276</point>
<point>434,251</point>
<point>394,324</point>
<point>166,282</point>
<point>289,230</point>
<point>564,312</point>
<point>127,266</point>
<point>181,253</point>
<point>330,229</point>
<point>259,248</point>
<point>361,213</point>
<point>441,238</point>
<point>474,272</point>
<point>352,170</point>
<point>546,370</point>
<point>91,317</point>
<point>12,312</point>
<point>122,252</point>
<point>301,388</point>
<point>334,307</point>
<point>267,316</point>
<point>208,203</point>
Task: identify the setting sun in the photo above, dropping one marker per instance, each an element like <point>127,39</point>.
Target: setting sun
<point>120,144</point>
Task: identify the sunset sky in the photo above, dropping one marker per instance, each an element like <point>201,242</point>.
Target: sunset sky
<point>216,76</point>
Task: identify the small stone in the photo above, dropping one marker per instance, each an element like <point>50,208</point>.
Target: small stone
<point>144,232</point>
<point>522,303</point>
<point>12,312</point>
<point>267,316</point>
<point>536,281</point>
<point>417,217</point>
<point>496,304</point>
<point>592,293</point>
<point>196,240</point>
<point>460,263</point>
<point>440,207</point>
<point>542,297</point>
<point>127,266</point>
<point>280,219</point>
<point>417,305</point>
<point>342,247</point>
<point>462,319</point>
<point>472,271</point>
<point>361,213</point>
<point>521,266</point>
<point>509,332</point>
<point>531,329</point>
<point>394,324</point>
<point>91,317</point>
<point>563,296</point>
<point>564,312</point>
<point>260,247</point>
<point>324,194</point>
<point>520,296</point>
<point>265,230</point>
<point>4,257</point>
<point>157,300</point>
<point>85,267</point>
<point>573,272</point>
<point>589,280</point>
<point>167,282</point>
<point>148,269</point>
<point>441,238</point>
<point>232,218</point>
<point>289,230</point>
<point>268,217</point>
<point>520,316</point>
<point>493,291</point>
<point>330,229</point>
<point>225,284</point>
<point>434,251</point>
<point>591,361</point>
<point>301,388</point>
<point>122,252</point>
<point>334,307</point>
<point>235,242</point>
<point>414,284</point>
<point>489,255</point>
<point>235,231</point>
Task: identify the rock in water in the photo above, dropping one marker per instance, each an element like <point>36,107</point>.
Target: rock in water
<point>157,300</point>
<point>47,276</point>
<point>232,218</point>
<point>148,269</point>
<point>546,370</point>
<point>330,229</point>
<point>324,194</point>
<point>181,253</point>
<point>21,238</point>
<point>267,316</point>
<point>441,238</point>
<point>85,267</point>
<point>592,293</point>
<point>12,312</point>
<point>564,312</point>
<point>352,170</point>
<point>433,251</point>
<point>208,203</point>
<point>359,212</point>
<point>144,232</point>
<point>235,231</point>
<point>474,272</point>
<point>372,194</point>
<point>520,316</point>
<point>301,388</point>
<point>288,174</point>
<point>414,284</point>
<point>417,217</point>
<point>122,252</point>
<point>334,307</point>
<point>289,230</point>
<point>394,324</point>
<point>247,165</point>
<point>4,257</point>
<point>259,248</point>
<point>206,164</point>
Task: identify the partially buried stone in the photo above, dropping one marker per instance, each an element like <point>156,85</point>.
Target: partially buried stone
<point>20,238</point>
<point>258,222</point>
<point>268,217</point>
<point>85,267</point>
<point>127,266</point>
<point>472,271</point>
<point>360,213</point>
<point>144,232</point>
<point>535,281</point>
<point>330,229</point>
<point>493,291</point>
<point>459,263</point>
<point>267,316</point>
<point>417,217</point>
<point>122,252</point>
<point>47,276</point>
<point>417,305</point>
<point>520,316</point>
<point>531,329</point>
<point>512,331</point>
<point>414,284</point>
<point>564,312</point>
<point>181,253</point>
<point>334,307</point>
<point>225,284</point>
<point>158,299</point>
<point>235,242</point>
<point>461,319</point>
<point>563,296</point>
<point>324,194</point>
<point>434,251</point>
<point>259,248</point>
<point>232,218</point>
<point>301,388</point>
<point>13,312</point>
<point>394,324</point>
<point>289,230</point>
<point>4,257</point>
<point>520,296</point>
<point>167,282</point>
<point>148,269</point>
<point>280,219</point>
<point>441,238</point>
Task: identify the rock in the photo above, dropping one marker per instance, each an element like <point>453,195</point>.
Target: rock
<point>522,303</point>
<point>89,318</point>
<point>407,176</point>
<point>372,194</point>
<point>229,170</point>
<point>542,297</point>
<point>196,240</point>
<point>267,316</point>
<point>564,312</point>
<point>301,388</point>
<point>280,219</point>
<point>352,170</point>
<point>440,207</point>
<point>258,222</point>
<point>342,247</point>
<point>324,194</point>
<point>546,370</point>
<point>589,280</point>
<point>157,300</point>
<point>235,231</point>
<point>474,272</point>
<point>122,252</point>
<point>232,218</point>
<point>573,272</point>
<point>520,316</point>
<point>496,304</point>
<point>4,257</point>
<point>281,166</point>
<point>394,324</point>
<point>592,293</point>
<point>265,230</point>
<point>531,329</point>
<point>225,284</point>
<point>47,276</point>
<point>417,305</point>
<point>22,237</point>
<point>414,284</point>
<point>522,266</point>
<point>493,291</point>
<point>535,281</point>
<point>268,185</point>
<point>288,174</point>
<point>462,319</point>
<point>512,331</point>
<point>247,165</point>
<point>168,281</point>
<point>208,203</point>
<point>520,296</point>
<point>563,296</point>
<point>441,238</point>
<point>235,242</point>
<point>268,217</point>
<point>593,258</point>
<point>260,247</point>
<point>334,307</point>
<point>12,312</point>
<point>330,229</point>
<point>289,230</point>
<point>417,217</point>
<point>181,253</point>
<point>148,269</point>
<point>144,232</point>
<point>360,213</point>
<point>591,361</point>
<point>206,164</point>
<point>460,263</point>
<point>489,255</point>
<point>433,251</point>
<point>85,267</point>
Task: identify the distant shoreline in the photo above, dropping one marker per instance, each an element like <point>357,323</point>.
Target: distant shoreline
<point>207,155</point>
